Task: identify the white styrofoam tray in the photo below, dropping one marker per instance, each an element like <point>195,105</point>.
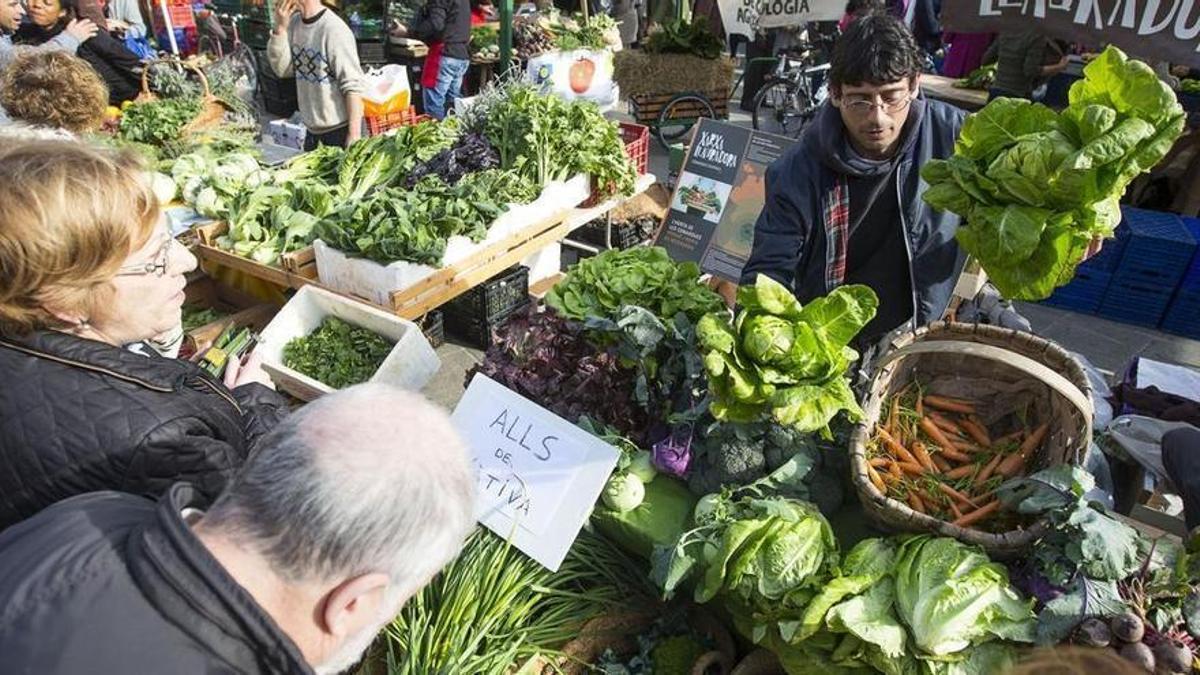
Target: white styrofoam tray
<point>410,365</point>
<point>375,282</point>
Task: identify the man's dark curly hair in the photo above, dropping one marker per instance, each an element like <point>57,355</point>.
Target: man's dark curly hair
<point>876,49</point>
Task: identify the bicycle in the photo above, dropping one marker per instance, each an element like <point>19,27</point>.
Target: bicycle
<point>789,100</point>
<point>681,112</point>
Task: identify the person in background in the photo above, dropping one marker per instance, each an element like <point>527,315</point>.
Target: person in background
<point>11,13</point>
<point>445,24</point>
<point>1021,63</point>
<point>856,9</point>
<point>926,28</point>
<point>313,44</point>
<point>125,19</point>
<point>964,53</point>
<point>119,67</point>
<point>50,94</point>
<point>844,206</point>
<point>316,545</point>
<point>88,271</point>
<point>626,14</point>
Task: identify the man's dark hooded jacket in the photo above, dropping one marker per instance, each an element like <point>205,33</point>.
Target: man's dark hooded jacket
<point>791,237</point>
<point>109,584</point>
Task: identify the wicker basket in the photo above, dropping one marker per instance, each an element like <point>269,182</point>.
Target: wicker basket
<point>212,112</point>
<point>989,361</point>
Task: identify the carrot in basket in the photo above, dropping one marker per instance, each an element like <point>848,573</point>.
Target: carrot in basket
<point>876,480</point>
<point>936,434</point>
<point>920,407</point>
<point>950,404</point>
<point>897,449</point>
<point>879,462</point>
<point>955,510</point>
<point>922,455</point>
<point>915,470</point>
<point>1013,464</point>
<point>978,514</point>
<point>988,470</point>
<point>948,425</point>
<point>955,494</point>
<point>914,502</point>
<point>894,471</point>
<point>955,455</point>
<point>895,414</point>
<point>976,431</point>
<point>1009,438</point>
<point>942,465</point>
<point>963,471</point>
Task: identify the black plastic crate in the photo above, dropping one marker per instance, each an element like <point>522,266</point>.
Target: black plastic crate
<point>434,328</point>
<point>625,233</point>
<point>493,298</point>
<point>476,331</point>
<point>371,53</point>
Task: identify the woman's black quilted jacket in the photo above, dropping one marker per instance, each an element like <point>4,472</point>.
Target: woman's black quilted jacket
<point>78,416</point>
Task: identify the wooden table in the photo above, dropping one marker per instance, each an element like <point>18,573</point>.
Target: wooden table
<point>943,89</point>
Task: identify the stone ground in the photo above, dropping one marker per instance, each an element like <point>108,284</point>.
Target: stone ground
<point>1109,345</point>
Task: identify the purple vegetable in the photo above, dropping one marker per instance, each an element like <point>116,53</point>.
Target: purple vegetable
<point>673,454</point>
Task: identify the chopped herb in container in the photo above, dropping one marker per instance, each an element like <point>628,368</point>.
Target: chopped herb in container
<point>337,353</point>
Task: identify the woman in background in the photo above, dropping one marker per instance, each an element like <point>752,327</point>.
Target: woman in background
<point>50,94</point>
<point>119,67</point>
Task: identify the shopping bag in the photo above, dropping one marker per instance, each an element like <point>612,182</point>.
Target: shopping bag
<point>387,90</point>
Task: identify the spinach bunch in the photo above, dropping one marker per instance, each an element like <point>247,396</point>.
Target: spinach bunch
<point>642,276</point>
<point>160,122</point>
<point>1036,186</point>
<point>684,37</point>
<point>337,353</point>
<point>414,225</point>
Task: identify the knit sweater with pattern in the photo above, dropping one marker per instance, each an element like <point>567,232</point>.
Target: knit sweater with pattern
<point>321,53</point>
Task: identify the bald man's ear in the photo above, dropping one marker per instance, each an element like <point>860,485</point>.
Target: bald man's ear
<point>354,604</point>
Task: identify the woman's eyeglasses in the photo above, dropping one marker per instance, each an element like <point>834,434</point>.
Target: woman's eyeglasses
<point>157,267</point>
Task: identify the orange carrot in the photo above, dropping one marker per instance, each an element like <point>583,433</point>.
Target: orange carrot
<point>911,469</point>
<point>914,502</point>
<point>876,480</point>
<point>955,510</point>
<point>1013,464</point>
<point>950,404</point>
<point>988,470</point>
<point>897,449</point>
<point>895,414</point>
<point>920,407</point>
<point>978,514</point>
<point>936,434</point>
<point>1014,436</point>
<point>955,494</point>
<point>948,425</point>
<point>942,465</point>
<point>961,472</point>
<point>956,455</point>
<point>894,471</point>
<point>976,431</point>
<point>918,449</point>
<point>880,462</point>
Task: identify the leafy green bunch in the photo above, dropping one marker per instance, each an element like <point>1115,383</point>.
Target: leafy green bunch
<point>909,605</point>
<point>1035,186</point>
<point>392,224</point>
<point>641,276</point>
<point>337,353</point>
<point>159,122</point>
<point>685,37</point>
<point>381,161</point>
<point>780,359</point>
<point>577,32</point>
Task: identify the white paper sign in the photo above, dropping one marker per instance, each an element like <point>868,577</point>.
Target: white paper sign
<point>743,17</point>
<point>539,475</point>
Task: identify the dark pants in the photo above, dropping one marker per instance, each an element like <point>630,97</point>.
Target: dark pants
<point>335,137</point>
<point>1181,459</point>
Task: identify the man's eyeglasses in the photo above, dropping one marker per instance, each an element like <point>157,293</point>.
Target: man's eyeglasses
<point>891,104</point>
<point>157,267</point>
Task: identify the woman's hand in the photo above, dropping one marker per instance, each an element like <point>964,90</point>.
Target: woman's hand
<point>238,373</point>
<point>82,29</point>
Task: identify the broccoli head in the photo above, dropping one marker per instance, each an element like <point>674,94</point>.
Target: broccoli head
<point>675,655</point>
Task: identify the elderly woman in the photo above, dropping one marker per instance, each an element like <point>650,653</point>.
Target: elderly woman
<point>50,94</point>
<point>119,67</point>
<point>87,270</point>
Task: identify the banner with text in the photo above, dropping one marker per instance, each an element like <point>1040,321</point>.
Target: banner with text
<point>718,196</point>
<point>1152,30</point>
<point>742,17</point>
<point>539,475</point>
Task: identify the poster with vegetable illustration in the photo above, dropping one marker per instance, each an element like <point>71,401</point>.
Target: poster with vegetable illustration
<point>538,474</point>
<point>720,191</point>
<point>580,73</point>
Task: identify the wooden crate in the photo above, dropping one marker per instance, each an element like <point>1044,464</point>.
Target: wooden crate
<point>646,108</point>
<point>242,309</point>
<point>454,280</point>
<point>295,269</point>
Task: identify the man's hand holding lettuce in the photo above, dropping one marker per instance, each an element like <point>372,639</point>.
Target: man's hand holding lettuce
<point>1034,187</point>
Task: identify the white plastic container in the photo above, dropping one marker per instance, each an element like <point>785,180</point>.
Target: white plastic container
<point>410,365</point>
<point>375,282</point>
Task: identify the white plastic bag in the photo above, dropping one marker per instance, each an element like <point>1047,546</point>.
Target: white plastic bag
<point>387,90</point>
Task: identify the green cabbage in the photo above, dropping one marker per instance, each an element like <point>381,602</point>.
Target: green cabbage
<point>1034,187</point>
<point>780,359</point>
<point>952,596</point>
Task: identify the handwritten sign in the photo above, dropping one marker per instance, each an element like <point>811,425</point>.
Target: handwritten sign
<point>1166,30</point>
<point>539,475</point>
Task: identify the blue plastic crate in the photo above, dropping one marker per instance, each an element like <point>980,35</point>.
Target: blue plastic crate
<point>1109,257</point>
<point>1191,278</point>
<point>1084,293</point>
<point>1158,248</point>
<point>1139,303</point>
<point>1183,315</point>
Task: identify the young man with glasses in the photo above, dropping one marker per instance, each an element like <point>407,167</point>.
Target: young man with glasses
<point>844,205</point>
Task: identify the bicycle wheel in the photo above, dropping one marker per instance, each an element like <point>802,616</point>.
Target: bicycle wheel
<point>781,107</point>
<point>679,115</point>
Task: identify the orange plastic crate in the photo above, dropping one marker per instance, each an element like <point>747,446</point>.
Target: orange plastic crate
<point>637,149</point>
<point>379,124</point>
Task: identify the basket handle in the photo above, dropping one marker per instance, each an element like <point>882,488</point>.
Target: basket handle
<point>1019,361</point>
